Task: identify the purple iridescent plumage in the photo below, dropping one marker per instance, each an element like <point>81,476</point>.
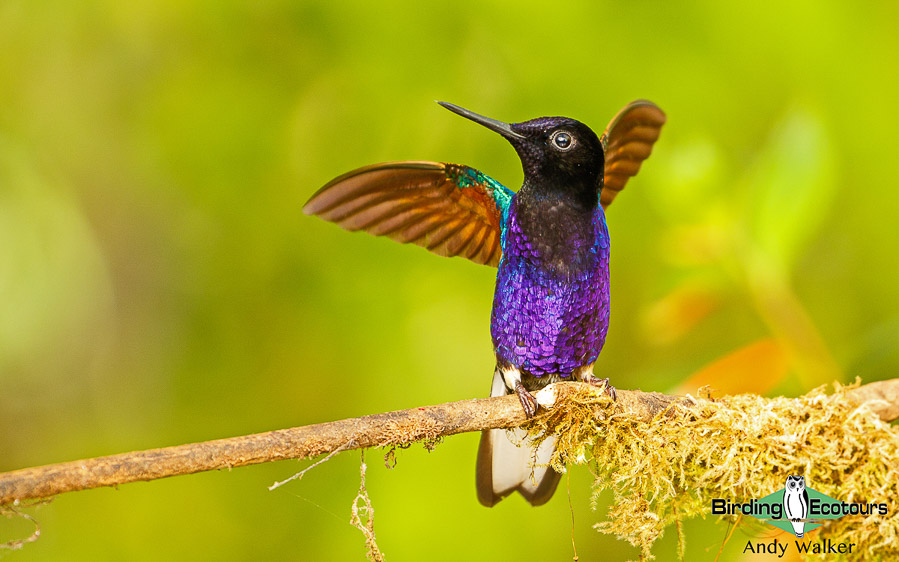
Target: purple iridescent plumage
<point>548,320</point>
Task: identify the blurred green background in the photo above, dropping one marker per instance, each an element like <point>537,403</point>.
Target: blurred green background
<point>160,285</point>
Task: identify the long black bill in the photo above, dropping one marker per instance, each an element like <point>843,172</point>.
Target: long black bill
<point>497,126</point>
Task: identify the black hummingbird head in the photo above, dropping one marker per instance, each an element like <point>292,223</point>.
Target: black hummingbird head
<point>557,153</point>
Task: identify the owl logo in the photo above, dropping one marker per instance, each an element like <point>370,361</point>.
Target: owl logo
<point>796,503</point>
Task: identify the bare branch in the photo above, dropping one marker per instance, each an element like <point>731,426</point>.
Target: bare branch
<point>392,428</point>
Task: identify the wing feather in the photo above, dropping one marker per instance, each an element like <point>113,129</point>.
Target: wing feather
<point>448,209</point>
<point>627,142</point>
<point>470,244</point>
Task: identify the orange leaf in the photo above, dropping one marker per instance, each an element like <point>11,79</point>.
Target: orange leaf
<point>757,368</point>
<point>677,313</point>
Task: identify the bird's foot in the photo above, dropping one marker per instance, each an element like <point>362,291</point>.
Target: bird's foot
<point>528,402</point>
<point>610,390</point>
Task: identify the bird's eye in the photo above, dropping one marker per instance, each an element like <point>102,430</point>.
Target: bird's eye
<point>562,140</point>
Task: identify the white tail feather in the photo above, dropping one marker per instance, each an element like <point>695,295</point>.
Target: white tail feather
<point>508,462</point>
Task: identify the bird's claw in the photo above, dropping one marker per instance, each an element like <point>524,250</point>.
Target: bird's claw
<point>610,390</point>
<point>528,402</point>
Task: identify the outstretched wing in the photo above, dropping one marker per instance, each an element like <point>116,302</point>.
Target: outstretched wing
<point>627,142</point>
<point>449,209</point>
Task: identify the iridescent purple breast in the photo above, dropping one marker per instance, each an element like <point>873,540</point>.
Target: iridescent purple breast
<point>551,312</point>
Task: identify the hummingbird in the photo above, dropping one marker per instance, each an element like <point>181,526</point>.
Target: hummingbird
<point>549,242</point>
